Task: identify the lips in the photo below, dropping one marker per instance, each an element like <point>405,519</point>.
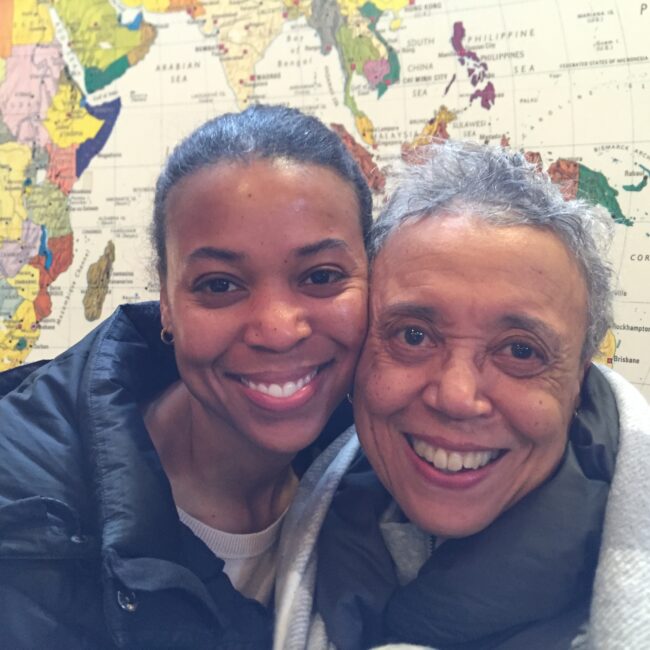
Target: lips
<point>280,390</point>
<point>452,461</point>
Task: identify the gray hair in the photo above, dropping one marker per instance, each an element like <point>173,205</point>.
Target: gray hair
<point>504,189</point>
<point>259,132</point>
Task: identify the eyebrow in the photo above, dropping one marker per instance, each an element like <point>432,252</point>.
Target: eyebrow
<point>213,253</point>
<point>228,255</point>
<point>532,324</point>
<point>410,310</point>
<point>330,243</point>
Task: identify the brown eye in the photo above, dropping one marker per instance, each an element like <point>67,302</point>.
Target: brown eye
<point>219,285</point>
<point>413,336</point>
<point>522,351</point>
<point>323,276</point>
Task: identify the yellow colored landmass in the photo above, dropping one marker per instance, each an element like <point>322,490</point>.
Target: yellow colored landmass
<point>3,67</point>
<point>433,128</point>
<point>96,35</point>
<point>295,9</point>
<point>607,349</point>
<point>14,159</point>
<point>350,7</point>
<point>246,29</point>
<point>17,336</point>
<point>67,122</point>
<point>395,24</point>
<point>31,22</point>
<point>156,6</point>
<point>366,128</point>
<point>25,282</point>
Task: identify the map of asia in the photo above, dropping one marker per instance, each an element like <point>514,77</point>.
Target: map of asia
<point>94,93</point>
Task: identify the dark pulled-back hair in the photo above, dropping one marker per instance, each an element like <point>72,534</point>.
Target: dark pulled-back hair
<point>259,132</point>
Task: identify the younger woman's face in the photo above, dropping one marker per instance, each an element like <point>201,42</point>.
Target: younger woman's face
<point>265,294</point>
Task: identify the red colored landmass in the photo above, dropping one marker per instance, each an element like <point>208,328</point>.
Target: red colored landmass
<point>6,28</point>
<point>61,248</point>
<point>534,158</point>
<point>505,141</point>
<point>374,177</point>
<point>193,7</point>
<point>565,174</point>
<point>61,170</point>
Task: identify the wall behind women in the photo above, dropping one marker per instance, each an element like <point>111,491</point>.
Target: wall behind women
<point>94,93</point>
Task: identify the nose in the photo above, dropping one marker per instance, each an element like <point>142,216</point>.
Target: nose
<point>276,322</point>
<point>456,389</point>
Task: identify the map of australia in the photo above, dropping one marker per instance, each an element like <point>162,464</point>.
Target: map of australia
<point>94,93</point>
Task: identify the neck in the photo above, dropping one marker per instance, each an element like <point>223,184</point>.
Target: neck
<point>216,474</point>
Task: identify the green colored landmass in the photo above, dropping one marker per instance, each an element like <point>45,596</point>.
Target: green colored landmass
<point>97,78</point>
<point>372,13</point>
<point>638,187</point>
<point>594,187</point>
<point>47,206</point>
<point>105,48</point>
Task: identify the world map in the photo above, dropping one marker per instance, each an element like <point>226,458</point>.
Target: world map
<point>95,93</point>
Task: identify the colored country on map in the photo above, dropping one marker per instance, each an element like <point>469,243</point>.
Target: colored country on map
<point>373,13</point>
<point>6,31</point>
<point>606,350</point>
<point>14,254</point>
<point>98,277</point>
<point>68,122</point>
<point>31,80</point>
<point>47,206</point>
<point>18,334</point>
<point>104,46</point>
<point>14,160</point>
<point>374,177</point>
<point>49,267</point>
<point>245,30</point>
<point>638,187</point>
<point>350,27</point>
<point>193,7</point>
<point>476,68</point>
<point>107,114</point>
<point>62,168</point>
<point>578,181</point>
<point>9,300</point>
<point>434,129</point>
<point>31,22</point>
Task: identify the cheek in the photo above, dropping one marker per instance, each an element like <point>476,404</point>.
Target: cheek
<point>540,419</point>
<point>347,317</point>
<point>387,387</point>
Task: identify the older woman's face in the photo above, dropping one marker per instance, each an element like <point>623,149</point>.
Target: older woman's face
<point>471,370</point>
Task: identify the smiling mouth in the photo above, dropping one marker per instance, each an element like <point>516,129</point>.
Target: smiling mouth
<point>285,389</point>
<point>452,462</point>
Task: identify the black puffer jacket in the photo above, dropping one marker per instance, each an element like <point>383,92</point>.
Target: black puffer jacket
<point>92,554</point>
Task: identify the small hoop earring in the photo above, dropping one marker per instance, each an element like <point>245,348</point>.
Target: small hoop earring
<point>349,397</point>
<point>166,336</point>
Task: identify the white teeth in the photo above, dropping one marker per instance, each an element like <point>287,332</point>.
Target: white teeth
<point>452,461</point>
<point>280,390</point>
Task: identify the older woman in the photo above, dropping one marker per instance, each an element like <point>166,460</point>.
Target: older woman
<point>494,441</point>
<point>188,415</point>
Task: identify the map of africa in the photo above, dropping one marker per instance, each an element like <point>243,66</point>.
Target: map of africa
<point>94,93</point>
